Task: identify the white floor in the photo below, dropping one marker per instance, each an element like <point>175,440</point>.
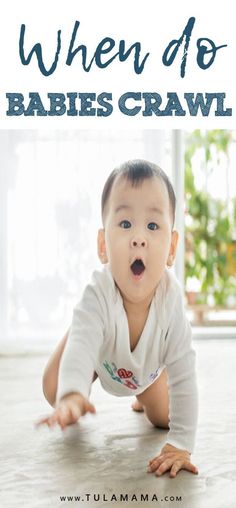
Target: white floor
<point>107,454</point>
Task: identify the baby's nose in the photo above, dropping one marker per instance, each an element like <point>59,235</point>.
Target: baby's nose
<point>139,242</point>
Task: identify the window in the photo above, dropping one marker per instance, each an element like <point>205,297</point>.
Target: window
<point>51,183</point>
<point>210,232</point>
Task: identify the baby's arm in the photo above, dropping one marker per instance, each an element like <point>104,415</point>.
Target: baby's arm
<point>179,358</point>
<point>176,453</point>
<point>68,411</point>
<point>77,364</point>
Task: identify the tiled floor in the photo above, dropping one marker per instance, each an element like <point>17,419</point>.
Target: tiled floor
<point>107,454</point>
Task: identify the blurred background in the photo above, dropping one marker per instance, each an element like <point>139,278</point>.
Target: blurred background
<point>50,190</point>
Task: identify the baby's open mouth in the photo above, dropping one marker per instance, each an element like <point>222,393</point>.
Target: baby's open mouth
<point>137,267</point>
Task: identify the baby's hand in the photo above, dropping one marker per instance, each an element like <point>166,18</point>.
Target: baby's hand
<point>68,411</point>
<point>172,459</point>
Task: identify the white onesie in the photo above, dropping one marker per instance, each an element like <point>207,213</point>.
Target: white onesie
<point>99,342</point>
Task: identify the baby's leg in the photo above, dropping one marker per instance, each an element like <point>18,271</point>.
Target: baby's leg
<point>50,375</point>
<point>155,402</point>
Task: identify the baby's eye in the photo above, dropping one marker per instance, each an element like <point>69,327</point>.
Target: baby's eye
<point>125,224</point>
<point>152,226</point>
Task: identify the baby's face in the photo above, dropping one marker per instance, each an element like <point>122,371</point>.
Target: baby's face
<point>138,241</point>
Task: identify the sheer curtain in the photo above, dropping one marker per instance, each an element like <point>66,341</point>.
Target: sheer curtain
<point>50,189</point>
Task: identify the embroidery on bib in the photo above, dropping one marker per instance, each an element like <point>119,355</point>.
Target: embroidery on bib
<point>121,375</point>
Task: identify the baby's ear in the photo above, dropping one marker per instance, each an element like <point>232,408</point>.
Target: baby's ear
<point>173,248</point>
<point>101,246</point>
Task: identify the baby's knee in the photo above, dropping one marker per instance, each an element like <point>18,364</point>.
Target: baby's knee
<point>161,424</point>
<point>157,420</point>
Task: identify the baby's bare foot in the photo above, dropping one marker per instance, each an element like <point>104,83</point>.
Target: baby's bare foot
<point>137,406</point>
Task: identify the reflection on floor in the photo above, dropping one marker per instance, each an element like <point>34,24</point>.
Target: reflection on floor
<point>106,455</point>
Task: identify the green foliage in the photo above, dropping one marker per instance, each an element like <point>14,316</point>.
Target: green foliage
<point>210,250</point>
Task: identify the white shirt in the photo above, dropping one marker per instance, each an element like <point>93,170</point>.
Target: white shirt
<point>99,341</point>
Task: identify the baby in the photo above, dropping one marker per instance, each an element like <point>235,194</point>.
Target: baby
<point>130,328</point>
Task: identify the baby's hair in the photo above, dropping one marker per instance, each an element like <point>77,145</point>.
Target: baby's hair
<point>136,171</point>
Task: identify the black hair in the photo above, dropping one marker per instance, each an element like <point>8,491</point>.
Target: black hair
<point>135,171</point>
